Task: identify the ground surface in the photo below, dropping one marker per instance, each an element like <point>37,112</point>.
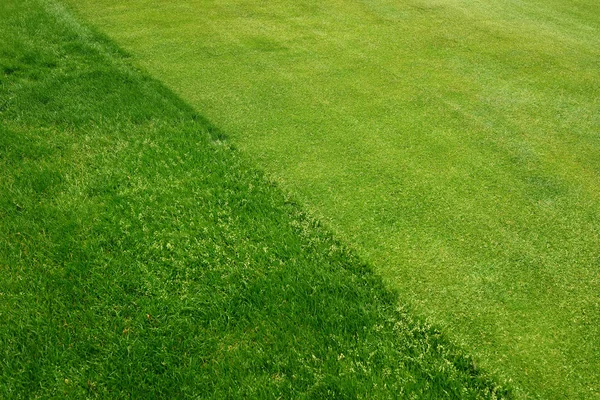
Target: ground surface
<point>455,144</point>
<point>142,257</point>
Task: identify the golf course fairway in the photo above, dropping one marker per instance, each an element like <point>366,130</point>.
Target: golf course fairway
<point>453,144</point>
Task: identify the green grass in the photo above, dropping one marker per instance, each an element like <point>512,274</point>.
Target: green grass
<point>142,257</point>
<point>454,143</point>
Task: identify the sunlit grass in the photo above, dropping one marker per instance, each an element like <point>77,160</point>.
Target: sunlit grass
<point>141,257</point>
<point>454,143</point>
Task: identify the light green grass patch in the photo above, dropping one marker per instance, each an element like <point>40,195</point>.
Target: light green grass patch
<point>142,257</point>
<point>454,143</point>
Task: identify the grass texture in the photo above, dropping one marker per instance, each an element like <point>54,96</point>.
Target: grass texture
<point>142,257</point>
<point>454,143</point>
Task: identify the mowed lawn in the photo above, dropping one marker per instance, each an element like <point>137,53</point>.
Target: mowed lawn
<point>142,257</point>
<point>455,144</point>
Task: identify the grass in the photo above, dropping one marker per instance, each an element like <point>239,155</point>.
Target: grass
<point>454,143</point>
<point>142,257</point>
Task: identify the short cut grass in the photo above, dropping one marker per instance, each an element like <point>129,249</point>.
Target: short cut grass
<point>454,143</point>
<point>141,257</point>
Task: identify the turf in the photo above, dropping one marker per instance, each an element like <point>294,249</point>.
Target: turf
<point>455,144</point>
<point>142,257</point>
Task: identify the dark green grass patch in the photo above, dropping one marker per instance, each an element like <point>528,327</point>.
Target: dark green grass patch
<point>140,257</point>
